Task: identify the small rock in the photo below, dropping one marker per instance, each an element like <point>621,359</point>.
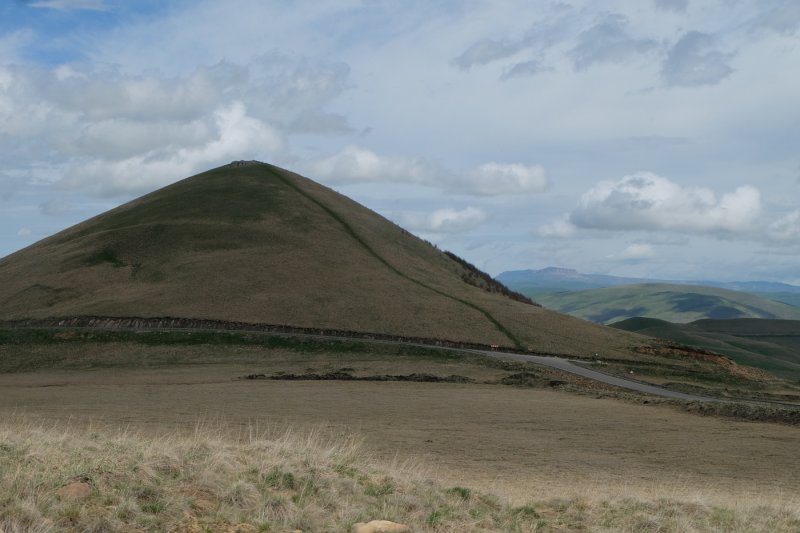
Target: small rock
<point>380,526</point>
<point>77,490</point>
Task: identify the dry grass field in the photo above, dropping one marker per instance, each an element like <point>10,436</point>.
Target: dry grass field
<point>84,478</point>
<point>170,437</point>
<point>518,443</point>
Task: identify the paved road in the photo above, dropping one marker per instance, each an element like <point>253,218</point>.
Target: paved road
<point>568,366</point>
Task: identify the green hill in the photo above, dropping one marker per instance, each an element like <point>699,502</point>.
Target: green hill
<point>790,298</point>
<point>251,242</point>
<point>773,345</point>
<point>670,302</point>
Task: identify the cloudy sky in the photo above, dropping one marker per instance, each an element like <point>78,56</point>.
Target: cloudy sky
<point>652,138</point>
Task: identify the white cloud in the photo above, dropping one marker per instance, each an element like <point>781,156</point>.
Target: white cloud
<point>356,164</point>
<point>454,221</point>
<point>646,201</point>
<point>446,220</point>
<point>637,252</point>
<point>694,60</point>
<point>121,138</point>
<point>24,232</point>
<point>561,228</point>
<point>786,229</point>
<point>236,135</point>
<point>105,94</point>
<point>503,178</point>
<point>111,133</point>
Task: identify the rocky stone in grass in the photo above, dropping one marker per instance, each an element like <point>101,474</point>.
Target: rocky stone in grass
<point>380,526</point>
<point>77,490</point>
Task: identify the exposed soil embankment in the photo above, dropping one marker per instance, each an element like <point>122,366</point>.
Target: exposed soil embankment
<point>341,375</point>
<point>520,379</point>
<point>672,350</point>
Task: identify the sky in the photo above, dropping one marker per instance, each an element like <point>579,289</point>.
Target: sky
<point>648,138</point>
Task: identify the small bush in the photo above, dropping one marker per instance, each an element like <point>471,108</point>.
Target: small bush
<point>461,492</point>
<point>107,254</point>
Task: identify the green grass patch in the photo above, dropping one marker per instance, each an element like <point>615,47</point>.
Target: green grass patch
<point>462,492</point>
<point>107,254</point>
<point>29,349</point>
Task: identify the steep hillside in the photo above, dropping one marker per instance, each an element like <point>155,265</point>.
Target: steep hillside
<point>670,302</point>
<point>256,243</point>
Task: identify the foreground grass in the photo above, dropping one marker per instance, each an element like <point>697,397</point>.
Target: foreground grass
<point>211,480</point>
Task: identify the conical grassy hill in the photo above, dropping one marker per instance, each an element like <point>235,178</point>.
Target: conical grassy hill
<point>256,243</point>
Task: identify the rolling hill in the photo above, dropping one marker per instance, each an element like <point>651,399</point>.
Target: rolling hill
<point>670,302</point>
<point>254,243</point>
<point>553,279</point>
<point>550,280</point>
<point>773,345</point>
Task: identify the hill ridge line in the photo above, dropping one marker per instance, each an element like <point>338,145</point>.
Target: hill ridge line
<point>349,229</point>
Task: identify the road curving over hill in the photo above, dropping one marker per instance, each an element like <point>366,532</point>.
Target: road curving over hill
<point>566,365</point>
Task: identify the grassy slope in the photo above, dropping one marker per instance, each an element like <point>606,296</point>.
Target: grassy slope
<point>773,345</point>
<point>784,297</point>
<point>259,244</point>
<point>214,481</point>
<point>673,303</point>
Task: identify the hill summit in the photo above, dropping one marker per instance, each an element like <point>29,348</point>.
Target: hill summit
<point>252,242</point>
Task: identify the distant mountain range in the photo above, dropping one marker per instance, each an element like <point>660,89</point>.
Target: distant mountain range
<point>666,301</point>
<point>537,283</point>
<point>754,322</point>
<point>609,299</point>
<point>553,279</point>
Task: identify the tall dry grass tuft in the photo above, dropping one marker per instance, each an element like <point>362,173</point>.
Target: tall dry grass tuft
<point>91,479</point>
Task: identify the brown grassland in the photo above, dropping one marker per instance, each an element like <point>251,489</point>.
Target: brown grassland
<point>168,446</point>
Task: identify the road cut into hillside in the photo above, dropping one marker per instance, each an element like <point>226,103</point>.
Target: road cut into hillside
<point>566,365</point>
